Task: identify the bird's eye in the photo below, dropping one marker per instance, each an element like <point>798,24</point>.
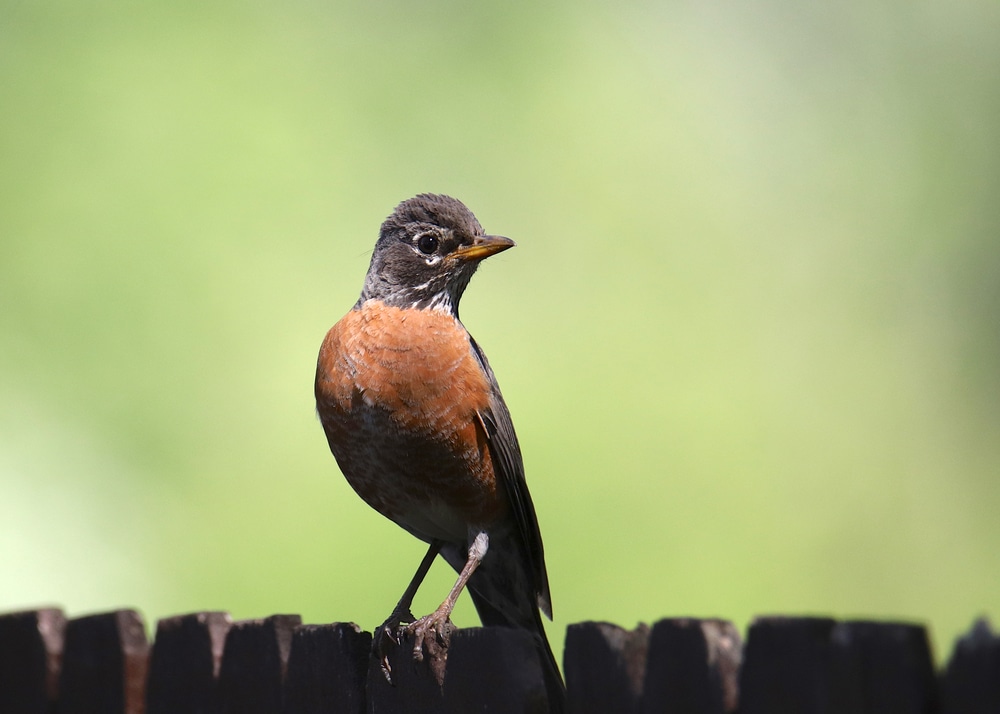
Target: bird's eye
<point>427,243</point>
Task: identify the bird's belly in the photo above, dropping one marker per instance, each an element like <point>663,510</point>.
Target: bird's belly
<point>401,417</point>
<point>425,485</point>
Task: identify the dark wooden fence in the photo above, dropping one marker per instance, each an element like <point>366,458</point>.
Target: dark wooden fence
<point>205,663</point>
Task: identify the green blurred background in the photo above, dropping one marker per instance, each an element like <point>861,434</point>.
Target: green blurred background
<point>750,336</point>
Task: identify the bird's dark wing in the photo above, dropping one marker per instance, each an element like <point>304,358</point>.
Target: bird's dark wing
<point>509,467</point>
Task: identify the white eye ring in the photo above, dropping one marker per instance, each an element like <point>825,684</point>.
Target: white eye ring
<point>427,243</point>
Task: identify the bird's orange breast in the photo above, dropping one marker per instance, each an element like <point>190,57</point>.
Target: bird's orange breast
<point>399,393</point>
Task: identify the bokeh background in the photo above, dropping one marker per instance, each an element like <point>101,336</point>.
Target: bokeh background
<point>750,336</point>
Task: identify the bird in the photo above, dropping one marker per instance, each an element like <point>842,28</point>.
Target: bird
<point>414,417</point>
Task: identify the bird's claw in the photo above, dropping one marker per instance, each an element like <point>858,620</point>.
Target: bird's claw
<point>431,638</point>
<point>388,635</point>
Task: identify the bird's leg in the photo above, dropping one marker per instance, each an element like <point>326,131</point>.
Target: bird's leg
<point>434,630</point>
<point>388,630</point>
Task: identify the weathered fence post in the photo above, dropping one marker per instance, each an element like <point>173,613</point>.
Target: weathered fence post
<point>971,683</point>
<point>786,666</point>
<point>254,661</point>
<point>881,667</point>
<point>692,667</point>
<point>489,669</point>
<point>184,666</point>
<point>104,665</point>
<point>31,646</point>
<point>327,669</point>
<point>605,666</point>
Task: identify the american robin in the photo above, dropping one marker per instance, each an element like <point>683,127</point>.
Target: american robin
<point>414,416</point>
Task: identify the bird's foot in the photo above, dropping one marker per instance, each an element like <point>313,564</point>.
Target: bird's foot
<point>431,638</point>
<point>388,635</point>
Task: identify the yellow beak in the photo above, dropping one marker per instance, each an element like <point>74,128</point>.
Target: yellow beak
<point>483,247</point>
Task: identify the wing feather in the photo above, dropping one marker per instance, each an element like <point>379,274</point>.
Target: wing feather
<point>507,461</point>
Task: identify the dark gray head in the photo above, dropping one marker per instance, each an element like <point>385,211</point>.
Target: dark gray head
<point>426,254</point>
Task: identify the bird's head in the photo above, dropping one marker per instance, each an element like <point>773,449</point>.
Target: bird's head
<point>426,253</point>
